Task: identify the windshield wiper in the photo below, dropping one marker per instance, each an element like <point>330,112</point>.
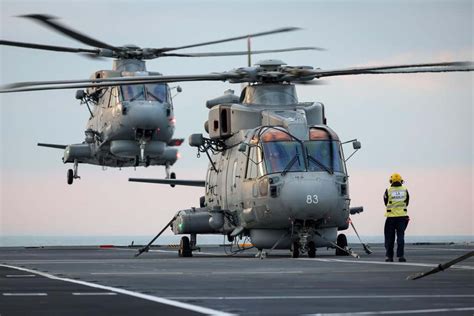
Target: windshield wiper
<point>311,158</point>
<point>291,163</point>
<point>154,96</point>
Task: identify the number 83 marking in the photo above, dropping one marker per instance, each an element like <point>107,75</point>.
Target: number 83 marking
<point>312,199</point>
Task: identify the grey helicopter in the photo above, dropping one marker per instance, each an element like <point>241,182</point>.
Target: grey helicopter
<point>277,172</point>
<point>129,125</point>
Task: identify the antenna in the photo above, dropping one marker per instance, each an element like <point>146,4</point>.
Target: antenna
<point>249,52</point>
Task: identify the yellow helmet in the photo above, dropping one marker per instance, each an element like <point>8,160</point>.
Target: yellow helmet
<point>396,177</point>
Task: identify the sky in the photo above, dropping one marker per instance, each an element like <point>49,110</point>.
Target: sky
<point>420,125</point>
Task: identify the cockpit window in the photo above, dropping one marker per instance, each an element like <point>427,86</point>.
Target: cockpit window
<point>133,92</point>
<point>283,153</point>
<point>283,156</point>
<point>156,92</point>
<point>149,92</point>
<point>324,153</point>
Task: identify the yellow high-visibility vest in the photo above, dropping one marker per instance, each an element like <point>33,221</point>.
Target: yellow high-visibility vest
<point>397,202</point>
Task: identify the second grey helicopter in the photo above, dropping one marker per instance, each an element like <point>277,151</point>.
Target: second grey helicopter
<point>129,125</point>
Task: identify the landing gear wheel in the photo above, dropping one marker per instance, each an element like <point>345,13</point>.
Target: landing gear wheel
<point>341,242</point>
<point>172,176</point>
<point>311,249</point>
<point>70,176</point>
<point>185,247</point>
<point>295,249</point>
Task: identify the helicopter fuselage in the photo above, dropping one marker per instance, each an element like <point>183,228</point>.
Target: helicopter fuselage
<point>276,174</point>
<point>129,125</point>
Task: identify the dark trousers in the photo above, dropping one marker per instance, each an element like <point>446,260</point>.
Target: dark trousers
<point>395,225</point>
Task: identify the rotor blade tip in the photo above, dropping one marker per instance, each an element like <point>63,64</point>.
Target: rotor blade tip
<point>38,16</point>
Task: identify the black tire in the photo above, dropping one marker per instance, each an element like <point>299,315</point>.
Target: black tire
<point>295,249</point>
<point>185,247</point>
<point>70,176</point>
<point>311,249</point>
<point>172,176</point>
<point>341,242</point>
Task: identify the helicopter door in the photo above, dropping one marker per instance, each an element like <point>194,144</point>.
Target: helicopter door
<point>233,189</point>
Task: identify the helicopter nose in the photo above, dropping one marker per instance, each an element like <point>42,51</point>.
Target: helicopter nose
<point>147,116</point>
<point>305,196</point>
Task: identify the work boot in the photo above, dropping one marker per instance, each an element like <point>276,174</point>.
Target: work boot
<point>388,259</point>
<point>402,259</point>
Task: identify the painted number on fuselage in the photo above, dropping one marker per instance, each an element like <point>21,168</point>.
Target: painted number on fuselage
<point>312,199</point>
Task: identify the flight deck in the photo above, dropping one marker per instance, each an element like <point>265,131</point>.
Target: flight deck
<point>110,281</point>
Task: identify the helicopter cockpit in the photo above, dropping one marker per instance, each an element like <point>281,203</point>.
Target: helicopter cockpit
<point>149,92</point>
<point>279,152</point>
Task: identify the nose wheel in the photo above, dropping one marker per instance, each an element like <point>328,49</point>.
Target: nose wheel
<point>170,175</point>
<point>295,249</point>
<point>72,173</point>
<point>342,243</point>
<point>185,249</point>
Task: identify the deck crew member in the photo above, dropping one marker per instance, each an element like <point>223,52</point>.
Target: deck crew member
<point>396,200</point>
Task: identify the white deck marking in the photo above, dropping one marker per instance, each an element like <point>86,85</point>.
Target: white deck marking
<point>256,272</point>
<point>416,248</point>
<point>412,311</point>
<point>93,293</point>
<point>200,272</point>
<point>137,273</point>
<point>25,294</point>
<point>400,264</point>
<point>173,251</point>
<point>322,297</point>
<point>195,308</point>
<point>20,275</point>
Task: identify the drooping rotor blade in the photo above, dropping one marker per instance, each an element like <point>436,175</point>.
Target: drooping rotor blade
<point>407,68</point>
<point>217,54</point>
<point>280,30</point>
<point>56,146</point>
<point>50,47</point>
<point>50,22</point>
<point>192,183</point>
<point>58,85</point>
<point>441,267</point>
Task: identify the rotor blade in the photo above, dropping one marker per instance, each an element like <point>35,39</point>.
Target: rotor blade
<point>85,39</point>
<point>441,267</point>
<point>192,183</point>
<point>408,68</point>
<point>311,82</point>
<point>50,47</point>
<point>280,30</point>
<point>115,80</point>
<point>56,146</point>
<point>216,54</point>
<point>58,85</point>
